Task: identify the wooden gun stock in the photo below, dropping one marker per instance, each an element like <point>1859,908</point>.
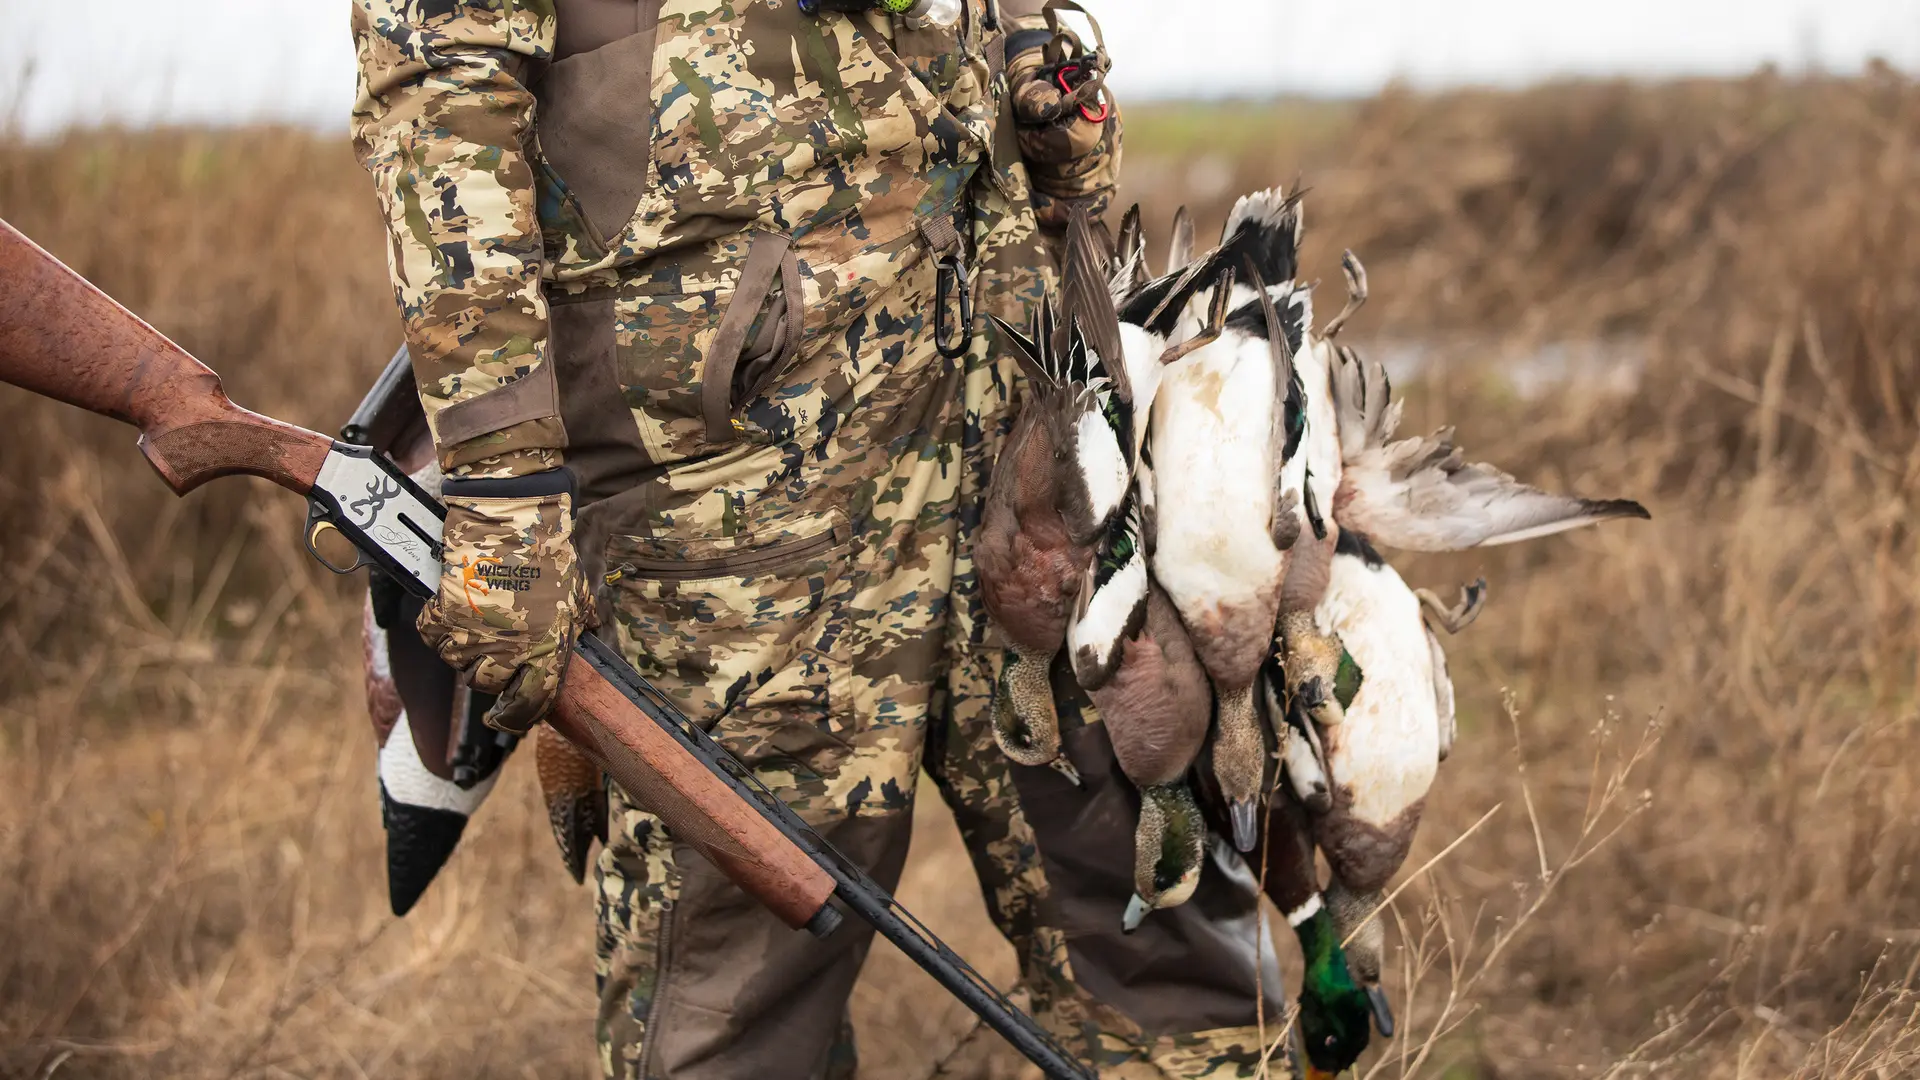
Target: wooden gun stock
<point>62,338</point>
<point>697,806</point>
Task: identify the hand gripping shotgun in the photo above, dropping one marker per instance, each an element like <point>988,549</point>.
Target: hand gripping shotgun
<point>65,339</point>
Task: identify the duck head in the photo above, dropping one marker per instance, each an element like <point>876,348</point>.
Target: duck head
<point>1240,763</point>
<point>1366,941</point>
<point>1025,724</point>
<point>1169,843</point>
<point>1321,676</point>
<point>1334,1009</point>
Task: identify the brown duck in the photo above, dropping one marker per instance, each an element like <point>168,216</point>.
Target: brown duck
<point>1030,566</point>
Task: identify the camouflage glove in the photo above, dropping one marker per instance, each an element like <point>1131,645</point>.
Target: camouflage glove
<point>511,596</point>
<point>1066,122</point>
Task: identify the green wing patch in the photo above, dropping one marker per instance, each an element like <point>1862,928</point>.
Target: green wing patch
<point>1347,680</point>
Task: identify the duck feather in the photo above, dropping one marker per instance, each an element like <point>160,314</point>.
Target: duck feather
<point>1421,494</point>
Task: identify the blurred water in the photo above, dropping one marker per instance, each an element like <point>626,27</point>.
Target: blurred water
<point>1603,366</point>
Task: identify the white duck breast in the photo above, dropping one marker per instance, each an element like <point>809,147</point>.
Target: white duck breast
<point>408,781</point>
<point>1095,636</point>
<point>1214,472</point>
<point>1102,463</point>
<point>1385,754</point>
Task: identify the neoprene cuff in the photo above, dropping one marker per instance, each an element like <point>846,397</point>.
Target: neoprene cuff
<point>547,484</point>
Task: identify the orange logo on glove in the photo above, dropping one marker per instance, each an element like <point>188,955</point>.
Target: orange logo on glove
<point>471,575</point>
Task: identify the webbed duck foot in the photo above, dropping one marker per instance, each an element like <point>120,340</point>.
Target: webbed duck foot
<point>1458,617</point>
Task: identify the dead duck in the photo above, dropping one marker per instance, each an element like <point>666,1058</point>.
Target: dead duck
<point>1397,699</point>
<point>1312,658</point>
<point>575,794</point>
<point>1157,706</point>
<point>1030,567</point>
<point>1420,494</point>
<point>1065,475</point>
<point>1333,1008</point>
<point>418,719</point>
<point>1380,761</point>
<point>437,761</point>
<point>1225,421</point>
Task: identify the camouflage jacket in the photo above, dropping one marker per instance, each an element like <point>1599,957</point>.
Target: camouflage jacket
<point>529,154</point>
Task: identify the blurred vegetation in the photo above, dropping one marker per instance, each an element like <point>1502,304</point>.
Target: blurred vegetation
<point>188,825</point>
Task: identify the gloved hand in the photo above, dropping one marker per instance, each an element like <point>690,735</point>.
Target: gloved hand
<point>511,597</point>
<point>1064,118</point>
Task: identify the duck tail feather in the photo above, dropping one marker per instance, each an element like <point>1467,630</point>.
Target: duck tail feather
<point>1266,227</point>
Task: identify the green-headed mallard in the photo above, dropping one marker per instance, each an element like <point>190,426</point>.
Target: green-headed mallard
<point>1398,721</point>
<point>1381,760</point>
<point>1334,1007</point>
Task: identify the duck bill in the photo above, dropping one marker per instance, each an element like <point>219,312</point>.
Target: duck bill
<point>1136,914</point>
<point>1244,814</point>
<point>1382,1012</point>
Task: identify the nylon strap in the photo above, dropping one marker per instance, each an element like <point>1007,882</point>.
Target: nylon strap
<point>764,260</point>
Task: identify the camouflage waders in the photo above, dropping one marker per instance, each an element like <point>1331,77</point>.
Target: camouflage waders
<point>741,214</point>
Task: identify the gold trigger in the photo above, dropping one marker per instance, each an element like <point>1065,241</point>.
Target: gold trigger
<point>320,529</point>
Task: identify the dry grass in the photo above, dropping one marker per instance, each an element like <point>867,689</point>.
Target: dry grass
<point>189,839</point>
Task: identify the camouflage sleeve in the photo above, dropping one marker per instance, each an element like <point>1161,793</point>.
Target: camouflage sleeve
<point>1017,15</point>
<point>443,123</point>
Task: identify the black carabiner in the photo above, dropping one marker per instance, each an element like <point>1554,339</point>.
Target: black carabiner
<point>953,268</point>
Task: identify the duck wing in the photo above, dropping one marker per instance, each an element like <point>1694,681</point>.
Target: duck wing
<point>1180,247</point>
<point>1421,494</point>
<point>1086,302</point>
<point>1130,257</point>
<point>575,794</point>
<point>1263,231</point>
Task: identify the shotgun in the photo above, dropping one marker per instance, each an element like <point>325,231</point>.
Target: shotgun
<point>62,338</point>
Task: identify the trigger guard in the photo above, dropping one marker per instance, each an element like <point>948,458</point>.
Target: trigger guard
<point>315,529</point>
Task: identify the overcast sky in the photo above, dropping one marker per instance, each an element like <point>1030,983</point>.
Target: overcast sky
<point>83,61</point>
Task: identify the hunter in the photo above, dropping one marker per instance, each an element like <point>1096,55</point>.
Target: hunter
<point>684,284</point>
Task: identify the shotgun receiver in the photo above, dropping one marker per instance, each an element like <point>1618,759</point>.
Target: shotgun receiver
<point>65,339</point>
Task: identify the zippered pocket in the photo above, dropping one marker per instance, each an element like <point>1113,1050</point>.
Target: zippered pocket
<point>753,623</point>
<point>746,562</point>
